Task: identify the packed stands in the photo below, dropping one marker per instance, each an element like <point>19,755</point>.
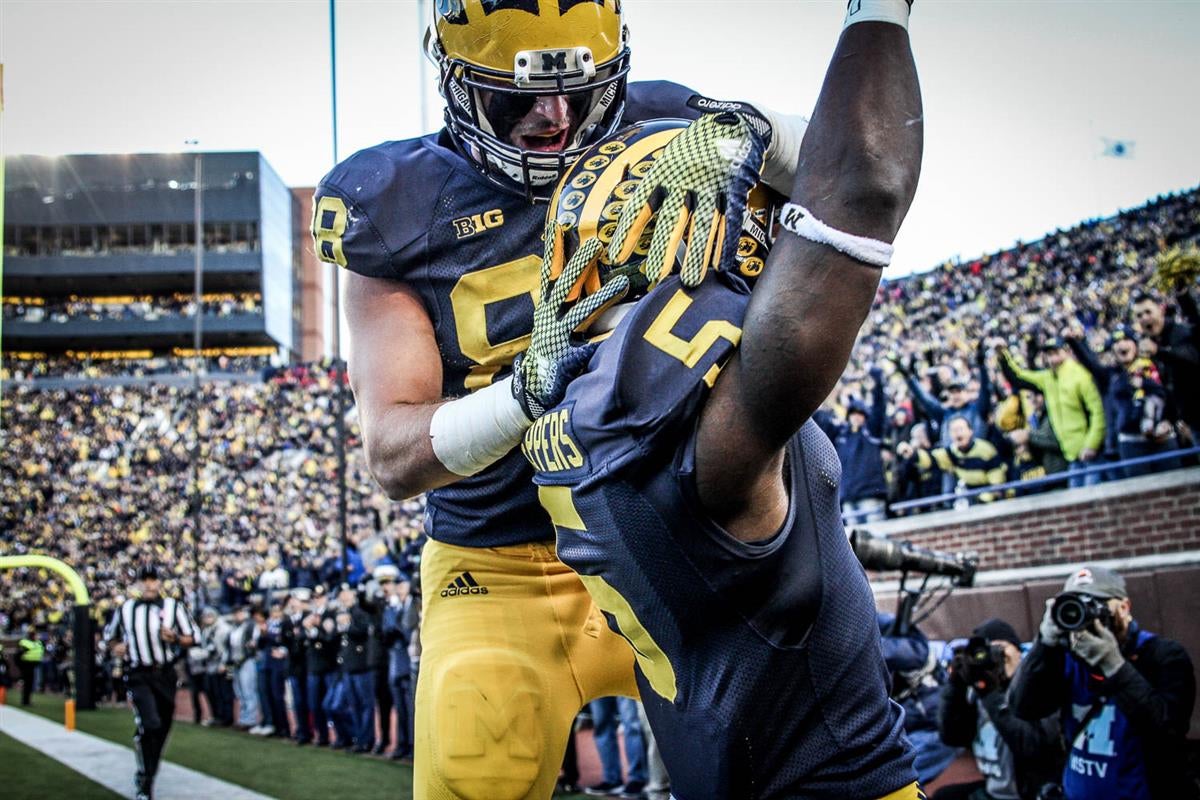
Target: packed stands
<point>97,471</point>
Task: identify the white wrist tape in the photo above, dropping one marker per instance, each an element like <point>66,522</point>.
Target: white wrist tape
<point>800,221</point>
<point>473,432</point>
<point>787,132</point>
<point>894,11</point>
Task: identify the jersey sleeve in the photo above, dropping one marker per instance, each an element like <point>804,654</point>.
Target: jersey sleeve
<point>645,385</point>
<point>370,209</point>
<point>658,100</point>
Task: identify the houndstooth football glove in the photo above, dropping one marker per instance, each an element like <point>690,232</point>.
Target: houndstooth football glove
<point>695,191</point>
<point>541,373</point>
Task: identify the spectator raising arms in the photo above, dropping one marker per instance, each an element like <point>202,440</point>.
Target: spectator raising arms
<point>1073,403</point>
<point>970,460</point>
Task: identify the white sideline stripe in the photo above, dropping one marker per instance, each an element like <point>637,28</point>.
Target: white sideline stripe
<point>112,765</point>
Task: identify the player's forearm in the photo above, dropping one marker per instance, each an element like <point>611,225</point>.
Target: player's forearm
<point>858,172</point>
<point>399,451</point>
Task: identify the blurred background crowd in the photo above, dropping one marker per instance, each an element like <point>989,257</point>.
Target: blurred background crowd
<point>1058,355</point>
<point>147,308</point>
<point>1063,358</point>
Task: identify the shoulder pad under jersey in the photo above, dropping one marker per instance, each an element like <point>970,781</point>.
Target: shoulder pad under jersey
<point>376,203</point>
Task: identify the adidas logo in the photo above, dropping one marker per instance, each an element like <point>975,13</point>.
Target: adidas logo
<point>464,584</point>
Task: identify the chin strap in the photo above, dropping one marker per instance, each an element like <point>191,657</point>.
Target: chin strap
<point>800,221</point>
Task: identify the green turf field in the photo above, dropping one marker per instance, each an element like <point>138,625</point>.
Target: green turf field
<point>274,767</point>
<point>25,773</point>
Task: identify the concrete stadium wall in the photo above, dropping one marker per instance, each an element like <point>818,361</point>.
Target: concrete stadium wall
<point>1146,528</point>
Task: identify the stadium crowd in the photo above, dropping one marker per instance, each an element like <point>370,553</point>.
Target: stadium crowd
<point>1055,355</point>
<point>1037,360</point>
<point>102,477</point>
<point>141,308</point>
<point>101,474</point>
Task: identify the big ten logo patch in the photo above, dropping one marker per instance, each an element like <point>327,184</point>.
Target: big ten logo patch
<point>477,223</point>
<point>489,725</point>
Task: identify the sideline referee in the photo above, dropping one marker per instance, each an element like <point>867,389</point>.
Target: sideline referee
<point>151,630</point>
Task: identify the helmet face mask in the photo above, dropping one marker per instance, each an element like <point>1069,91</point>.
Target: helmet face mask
<point>497,58</point>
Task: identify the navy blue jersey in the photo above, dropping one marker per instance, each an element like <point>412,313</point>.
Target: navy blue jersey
<point>759,664</point>
<point>417,211</point>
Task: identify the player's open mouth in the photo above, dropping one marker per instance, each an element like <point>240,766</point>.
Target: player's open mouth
<point>550,142</point>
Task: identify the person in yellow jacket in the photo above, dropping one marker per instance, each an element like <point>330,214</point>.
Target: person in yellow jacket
<point>32,652</point>
<point>1073,404</point>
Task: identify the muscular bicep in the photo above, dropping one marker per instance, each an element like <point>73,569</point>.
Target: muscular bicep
<point>396,374</point>
<point>393,353</point>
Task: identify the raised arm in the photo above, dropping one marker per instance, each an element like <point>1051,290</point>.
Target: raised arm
<point>858,170</point>
<point>1084,354</point>
<point>878,416</point>
<point>983,403</point>
<point>927,402</point>
<point>1020,377</point>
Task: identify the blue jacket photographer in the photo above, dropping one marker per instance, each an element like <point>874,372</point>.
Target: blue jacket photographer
<point>1124,694</point>
<point>1016,757</point>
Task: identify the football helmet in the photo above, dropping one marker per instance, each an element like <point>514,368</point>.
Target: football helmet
<point>590,196</point>
<point>496,58</point>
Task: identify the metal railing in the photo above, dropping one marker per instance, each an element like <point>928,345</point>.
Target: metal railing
<point>1022,487</point>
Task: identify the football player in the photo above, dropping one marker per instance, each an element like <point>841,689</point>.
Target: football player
<point>441,240</point>
<point>689,487</point>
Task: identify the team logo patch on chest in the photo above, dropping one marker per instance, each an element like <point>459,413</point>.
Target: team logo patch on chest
<point>466,227</point>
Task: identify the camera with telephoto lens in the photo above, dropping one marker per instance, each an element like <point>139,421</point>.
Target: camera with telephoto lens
<point>980,664</point>
<point>1074,611</point>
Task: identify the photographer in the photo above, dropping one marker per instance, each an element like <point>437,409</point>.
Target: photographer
<point>1124,695</point>
<point>1015,757</point>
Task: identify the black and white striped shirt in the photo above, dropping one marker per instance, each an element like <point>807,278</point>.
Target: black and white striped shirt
<point>139,624</point>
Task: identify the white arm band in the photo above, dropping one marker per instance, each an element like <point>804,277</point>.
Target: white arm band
<point>893,11</point>
<point>779,166</point>
<point>473,432</point>
<point>800,221</point>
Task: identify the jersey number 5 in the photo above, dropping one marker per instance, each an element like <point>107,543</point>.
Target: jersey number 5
<point>690,351</point>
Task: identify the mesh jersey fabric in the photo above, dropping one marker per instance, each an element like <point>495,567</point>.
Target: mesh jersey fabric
<point>769,652</point>
<point>417,211</point>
